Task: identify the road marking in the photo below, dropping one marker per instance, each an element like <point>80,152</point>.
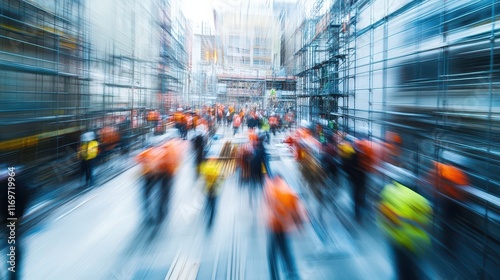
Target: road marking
<point>74,208</point>
<point>37,206</point>
<point>183,268</point>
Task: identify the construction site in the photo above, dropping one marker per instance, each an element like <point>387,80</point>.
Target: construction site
<point>424,70</point>
<point>74,66</point>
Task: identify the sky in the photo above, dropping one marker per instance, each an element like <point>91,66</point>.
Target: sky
<point>202,9</point>
<point>198,9</point>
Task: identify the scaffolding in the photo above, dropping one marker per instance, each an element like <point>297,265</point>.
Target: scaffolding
<point>422,69</point>
<point>70,66</point>
<point>324,63</point>
<point>42,80</point>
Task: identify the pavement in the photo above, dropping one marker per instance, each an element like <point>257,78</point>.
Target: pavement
<point>101,234</point>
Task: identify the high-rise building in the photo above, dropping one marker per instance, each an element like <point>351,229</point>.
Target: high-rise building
<point>249,43</point>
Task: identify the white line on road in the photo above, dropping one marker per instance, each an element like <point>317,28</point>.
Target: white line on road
<point>74,208</point>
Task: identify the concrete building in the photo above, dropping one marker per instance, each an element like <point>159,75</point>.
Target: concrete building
<point>249,43</point>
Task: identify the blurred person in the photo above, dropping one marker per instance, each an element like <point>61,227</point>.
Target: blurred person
<point>196,118</point>
<point>147,159</point>
<point>220,115</point>
<point>329,156</point>
<point>169,158</point>
<point>236,123</point>
<point>87,154</point>
<point>109,140</point>
<point>284,215</point>
<point>199,147</point>
<point>181,122</point>
<point>363,164</point>
<point>312,171</point>
<point>242,118</point>
<point>447,181</point>
<point>252,121</point>
<point>392,148</point>
<point>273,122</point>
<point>290,119</point>
<point>264,126</point>
<point>259,164</point>
<point>320,133</point>
<point>211,172</point>
<point>405,216</point>
<point>229,118</point>
<point>13,189</point>
<point>351,164</point>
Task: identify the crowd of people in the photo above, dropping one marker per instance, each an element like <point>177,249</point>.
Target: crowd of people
<point>403,205</point>
<point>326,156</point>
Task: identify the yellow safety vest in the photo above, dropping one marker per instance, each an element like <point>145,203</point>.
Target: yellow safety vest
<point>404,215</point>
<point>89,150</point>
<point>211,170</point>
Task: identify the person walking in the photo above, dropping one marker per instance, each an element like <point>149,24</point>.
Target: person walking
<point>87,153</point>
<point>211,173</point>
<point>405,217</point>
<point>259,164</point>
<point>284,215</point>
<point>448,182</point>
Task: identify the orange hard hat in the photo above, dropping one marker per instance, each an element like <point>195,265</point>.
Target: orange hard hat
<point>393,137</point>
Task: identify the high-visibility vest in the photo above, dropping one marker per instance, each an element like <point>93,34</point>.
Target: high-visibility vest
<point>404,215</point>
<point>169,156</point>
<point>211,171</point>
<point>89,150</point>
<point>449,180</point>
<point>146,159</point>
<point>284,209</point>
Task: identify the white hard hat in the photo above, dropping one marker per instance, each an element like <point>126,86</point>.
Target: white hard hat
<point>88,136</point>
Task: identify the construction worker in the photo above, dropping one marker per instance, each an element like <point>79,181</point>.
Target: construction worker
<point>259,164</point>
<point>211,172</point>
<point>236,123</point>
<point>405,216</point>
<point>87,153</point>
<point>109,140</point>
<point>448,181</point>
<point>198,142</point>
<point>273,122</point>
<point>264,126</point>
<point>147,159</point>
<point>169,158</point>
<point>392,148</point>
<point>181,122</point>
<point>284,215</point>
<point>364,161</point>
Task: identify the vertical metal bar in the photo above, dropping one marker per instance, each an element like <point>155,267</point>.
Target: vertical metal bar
<point>57,77</point>
<point>489,166</point>
<point>385,74</point>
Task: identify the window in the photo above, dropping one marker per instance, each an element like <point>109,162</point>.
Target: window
<point>261,62</point>
<point>245,60</point>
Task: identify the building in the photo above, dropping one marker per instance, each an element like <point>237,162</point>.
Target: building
<point>249,43</point>
<point>73,66</point>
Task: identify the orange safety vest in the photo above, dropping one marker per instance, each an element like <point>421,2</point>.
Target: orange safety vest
<point>367,158</point>
<point>448,180</point>
<point>284,210</point>
<point>147,160</point>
